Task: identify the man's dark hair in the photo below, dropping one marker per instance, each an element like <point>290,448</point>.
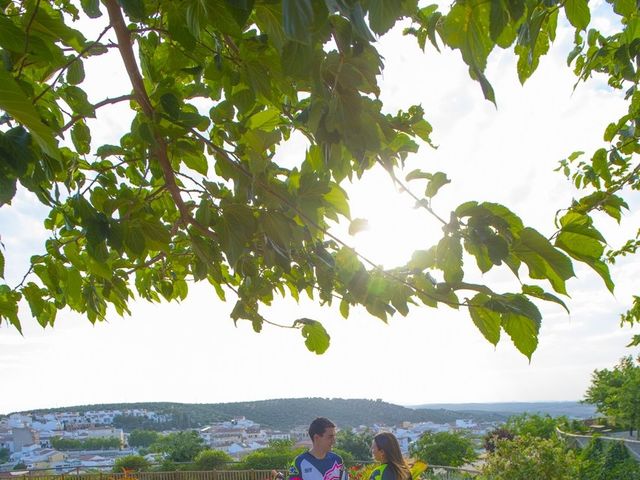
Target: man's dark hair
<point>319,425</point>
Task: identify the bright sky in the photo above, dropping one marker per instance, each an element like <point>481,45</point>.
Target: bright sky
<point>191,352</point>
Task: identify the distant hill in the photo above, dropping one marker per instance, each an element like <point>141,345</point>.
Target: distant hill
<point>555,409</point>
<point>292,412</point>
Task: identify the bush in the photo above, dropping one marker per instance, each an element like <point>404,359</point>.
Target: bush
<point>134,463</point>
<point>495,435</point>
<point>612,461</point>
<point>527,457</point>
<point>541,426</point>
<point>276,456</point>
<point>444,448</point>
<point>211,459</point>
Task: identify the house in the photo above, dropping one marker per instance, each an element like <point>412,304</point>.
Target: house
<point>24,437</point>
<point>42,458</point>
<point>6,440</point>
<point>104,432</point>
<point>277,435</point>
<point>18,420</point>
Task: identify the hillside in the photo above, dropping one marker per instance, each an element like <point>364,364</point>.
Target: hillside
<point>555,409</point>
<point>292,412</point>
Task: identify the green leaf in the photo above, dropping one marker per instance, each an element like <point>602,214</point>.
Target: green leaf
<point>196,161</point>
<point>356,15</point>
<point>15,103</point>
<point>383,14</point>
<point>423,129</point>
<point>134,9</point>
<point>278,228</point>
<point>337,198</point>
<point>196,13</point>
<point>43,310</point>
<point>358,225</point>
<point>449,259</point>
<point>91,8</point>
<point>582,241</point>
<point>297,18</point>
<point>7,189</point>
<point>538,292</point>
<point>265,120</point>
<point>81,137</point>
<point>171,105</point>
<point>417,174</point>
<point>423,259</point>
<point>601,165</point>
<point>240,10</point>
<point>269,19</point>
<point>487,320</point>
<point>487,89</point>
<point>73,289</point>
<point>239,228</point>
<point>156,235</point>
<point>437,181</point>
<point>344,308</point>
<point>78,101</point>
<point>9,306</point>
<point>134,239</point>
<point>499,19</point>
<point>1,265</point>
<point>12,38</point>
<point>522,323</point>
<point>316,337</point>
<point>105,151</point>
<point>578,13</point>
<point>544,261</point>
<point>586,250</point>
<point>75,72</point>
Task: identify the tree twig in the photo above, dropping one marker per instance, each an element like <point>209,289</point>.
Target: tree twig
<point>106,101</point>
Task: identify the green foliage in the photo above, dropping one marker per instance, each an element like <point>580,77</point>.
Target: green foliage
<point>532,425</point>
<point>211,459</point>
<point>600,461</point>
<point>192,190</point>
<point>179,446</point>
<point>444,448</point>
<point>615,393</point>
<point>357,444</point>
<point>134,463</point>
<point>494,436</point>
<point>276,456</point>
<point>525,458</point>
<point>142,438</point>
<point>66,444</point>
<point>179,420</point>
<point>4,455</point>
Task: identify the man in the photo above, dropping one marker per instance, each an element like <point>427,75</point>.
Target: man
<point>319,463</point>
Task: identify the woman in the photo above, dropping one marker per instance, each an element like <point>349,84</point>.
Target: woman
<point>386,450</point>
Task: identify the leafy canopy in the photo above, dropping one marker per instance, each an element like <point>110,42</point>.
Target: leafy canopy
<point>193,189</point>
<point>444,448</point>
<point>615,393</point>
<point>526,457</point>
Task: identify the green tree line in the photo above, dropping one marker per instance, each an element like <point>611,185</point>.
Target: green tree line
<point>66,444</point>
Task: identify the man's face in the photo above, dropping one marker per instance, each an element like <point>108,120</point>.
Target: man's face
<point>325,441</point>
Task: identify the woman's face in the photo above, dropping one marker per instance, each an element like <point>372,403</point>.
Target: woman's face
<point>378,455</point>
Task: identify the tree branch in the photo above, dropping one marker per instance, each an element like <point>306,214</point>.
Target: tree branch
<point>106,101</point>
<point>73,59</point>
<point>123,36</point>
<point>26,41</point>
